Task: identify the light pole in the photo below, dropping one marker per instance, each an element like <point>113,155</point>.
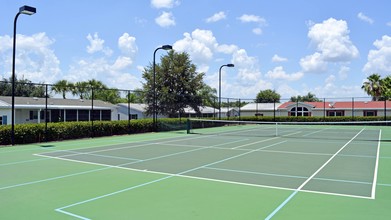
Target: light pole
<point>164,47</point>
<point>227,65</point>
<point>27,10</point>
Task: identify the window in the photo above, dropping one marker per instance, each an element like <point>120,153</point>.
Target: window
<point>370,113</point>
<point>33,115</point>
<point>301,111</point>
<point>106,115</point>
<point>133,116</point>
<point>1,120</point>
<point>335,113</point>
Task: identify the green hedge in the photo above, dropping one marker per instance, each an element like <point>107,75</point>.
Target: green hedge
<point>35,133</point>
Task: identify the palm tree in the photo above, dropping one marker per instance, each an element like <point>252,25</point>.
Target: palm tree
<point>81,89</point>
<point>373,86</point>
<point>62,87</point>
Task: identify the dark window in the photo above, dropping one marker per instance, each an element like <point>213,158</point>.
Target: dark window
<point>370,113</point>
<point>84,115</point>
<point>336,113</point>
<point>33,115</point>
<point>301,111</point>
<point>95,115</point>
<point>106,115</point>
<point>71,115</point>
<point>133,116</point>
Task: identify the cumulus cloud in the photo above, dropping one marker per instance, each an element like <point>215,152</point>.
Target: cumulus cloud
<point>35,60</point>
<point>277,59</point>
<point>216,17</point>
<point>164,3</point>
<point>313,63</point>
<point>114,72</point>
<point>166,19</point>
<point>379,59</point>
<point>333,45</point>
<point>278,73</point>
<point>365,18</point>
<point>202,46</point>
<point>127,44</point>
<point>97,44</point>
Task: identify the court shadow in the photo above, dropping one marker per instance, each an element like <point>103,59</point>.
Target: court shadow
<point>46,145</point>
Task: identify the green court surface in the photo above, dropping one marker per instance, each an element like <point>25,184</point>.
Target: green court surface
<point>300,173</point>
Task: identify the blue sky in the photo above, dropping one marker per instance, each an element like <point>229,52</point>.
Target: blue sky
<point>327,48</point>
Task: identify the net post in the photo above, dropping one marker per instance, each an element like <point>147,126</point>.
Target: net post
<point>188,126</point>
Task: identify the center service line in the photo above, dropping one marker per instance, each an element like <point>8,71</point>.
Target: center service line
<point>309,178</point>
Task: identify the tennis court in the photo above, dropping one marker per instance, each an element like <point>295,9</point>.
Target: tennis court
<point>231,171</point>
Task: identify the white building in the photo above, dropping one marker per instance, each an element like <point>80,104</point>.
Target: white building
<point>32,110</point>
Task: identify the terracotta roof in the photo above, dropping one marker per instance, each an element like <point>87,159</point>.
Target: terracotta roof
<point>342,105</point>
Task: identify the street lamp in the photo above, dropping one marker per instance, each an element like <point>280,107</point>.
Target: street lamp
<point>27,10</point>
<point>227,65</point>
<point>164,47</point>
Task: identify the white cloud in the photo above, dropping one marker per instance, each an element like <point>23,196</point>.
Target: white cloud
<point>389,24</point>
<point>245,18</point>
<point>34,60</point>
<point>127,44</point>
<point>331,38</point>
<point>379,60</point>
<point>97,44</point>
<point>166,19</point>
<point>227,49</point>
<point>200,45</point>
<point>247,67</point>
<point>277,59</point>
<point>241,81</point>
<point>279,73</point>
<point>164,3</point>
<point>313,64</point>
<point>333,45</point>
<point>365,18</point>
<point>216,17</point>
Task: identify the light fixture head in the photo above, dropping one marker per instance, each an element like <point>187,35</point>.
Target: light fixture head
<point>167,47</point>
<point>27,10</point>
<point>230,65</point>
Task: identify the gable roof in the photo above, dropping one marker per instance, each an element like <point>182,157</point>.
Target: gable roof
<point>29,102</point>
<point>341,105</point>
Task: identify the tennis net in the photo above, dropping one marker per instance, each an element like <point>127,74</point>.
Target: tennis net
<point>369,130</point>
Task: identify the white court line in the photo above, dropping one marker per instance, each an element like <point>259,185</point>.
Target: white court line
<point>157,180</point>
<point>100,169</point>
<point>376,168</point>
<point>309,178</point>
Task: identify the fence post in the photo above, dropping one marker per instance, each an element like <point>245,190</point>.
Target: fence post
<point>92,112</point>
<point>46,112</point>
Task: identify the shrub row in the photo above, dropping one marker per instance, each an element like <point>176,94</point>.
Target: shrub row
<point>34,133</point>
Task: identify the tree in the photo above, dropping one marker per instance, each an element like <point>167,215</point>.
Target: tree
<point>62,87</point>
<point>81,89</point>
<point>23,88</point>
<point>307,98</point>
<point>267,96</point>
<point>386,88</point>
<point>373,86</point>
<point>177,85</point>
<point>209,96</point>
